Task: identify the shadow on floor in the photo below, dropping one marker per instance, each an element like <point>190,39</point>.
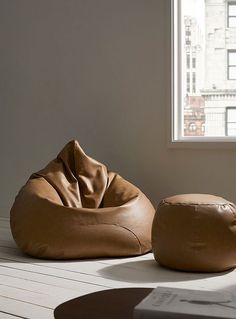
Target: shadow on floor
<point>112,303</point>
<point>148,271</point>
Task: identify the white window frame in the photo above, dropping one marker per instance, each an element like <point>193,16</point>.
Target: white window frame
<point>230,65</point>
<point>177,126</point>
<point>227,122</point>
<point>230,3</point>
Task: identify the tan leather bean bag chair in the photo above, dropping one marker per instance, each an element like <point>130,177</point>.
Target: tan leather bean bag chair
<point>195,232</point>
<point>76,208</point>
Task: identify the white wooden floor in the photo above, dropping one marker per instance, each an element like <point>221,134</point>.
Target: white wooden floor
<point>33,288</point>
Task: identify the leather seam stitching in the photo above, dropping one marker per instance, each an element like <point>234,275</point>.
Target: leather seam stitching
<point>140,246</point>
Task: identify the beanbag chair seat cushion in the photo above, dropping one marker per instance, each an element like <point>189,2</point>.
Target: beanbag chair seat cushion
<point>195,232</point>
<point>76,208</point>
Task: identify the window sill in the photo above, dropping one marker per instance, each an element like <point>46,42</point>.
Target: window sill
<point>203,143</point>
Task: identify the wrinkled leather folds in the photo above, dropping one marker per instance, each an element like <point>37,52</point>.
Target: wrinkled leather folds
<point>76,208</point>
<point>195,232</point>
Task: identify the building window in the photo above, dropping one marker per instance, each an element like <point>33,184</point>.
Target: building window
<point>203,128</point>
<point>194,82</point>
<point>232,64</point>
<point>230,125</point>
<point>200,46</point>
<point>188,82</point>
<point>232,14</point>
<point>188,61</point>
<point>192,127</point>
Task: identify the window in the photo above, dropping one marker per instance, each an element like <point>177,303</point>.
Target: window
<point>194,82</point>
<point>203,53</point>
<point>192,127</point>
<point>232,64</point>
<point>232,14</point>
<point>188,82</point>
<point>188,61</point>
<point>230,121</point>
<point>203,128</point>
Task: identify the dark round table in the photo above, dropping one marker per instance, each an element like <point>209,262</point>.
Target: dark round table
<point>106,304</point>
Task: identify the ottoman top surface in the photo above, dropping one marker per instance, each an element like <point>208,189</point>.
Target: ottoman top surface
<point>194,199</point>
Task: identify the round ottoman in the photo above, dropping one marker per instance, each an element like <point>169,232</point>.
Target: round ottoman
<point>195,232</point>
<point>76,208</point>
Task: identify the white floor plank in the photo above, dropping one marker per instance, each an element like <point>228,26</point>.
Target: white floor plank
<point>68,270</point>
<point>91,267</point>
<point>24,310</point>
<point>54,282</point>
<point>86,282</point>
<point>36,287</point>
<point>33,298</point>
<point>8,316</point>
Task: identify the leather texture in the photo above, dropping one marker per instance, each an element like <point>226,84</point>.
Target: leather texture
<point>76,208</point>
<point>195,232</point>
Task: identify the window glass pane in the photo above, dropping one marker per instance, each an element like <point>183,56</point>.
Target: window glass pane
<point>232,22</point>
<point>232,58</point>
<point>232,73</point>
<point>188,77</point>
<point>231,132</point>
<point>206,56</point>
<point>188,61</point>
<point>232,9</point>
<point>231,129</point>
<point>231,115</point>
<point>192,61</point>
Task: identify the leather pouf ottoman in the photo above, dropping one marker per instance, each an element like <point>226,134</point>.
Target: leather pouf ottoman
<point>76,208</point>
<point>195,232</point>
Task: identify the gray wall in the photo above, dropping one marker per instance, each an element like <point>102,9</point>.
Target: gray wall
<point>96,71</point>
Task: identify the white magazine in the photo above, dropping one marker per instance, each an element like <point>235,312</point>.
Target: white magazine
<point>174,303</point>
